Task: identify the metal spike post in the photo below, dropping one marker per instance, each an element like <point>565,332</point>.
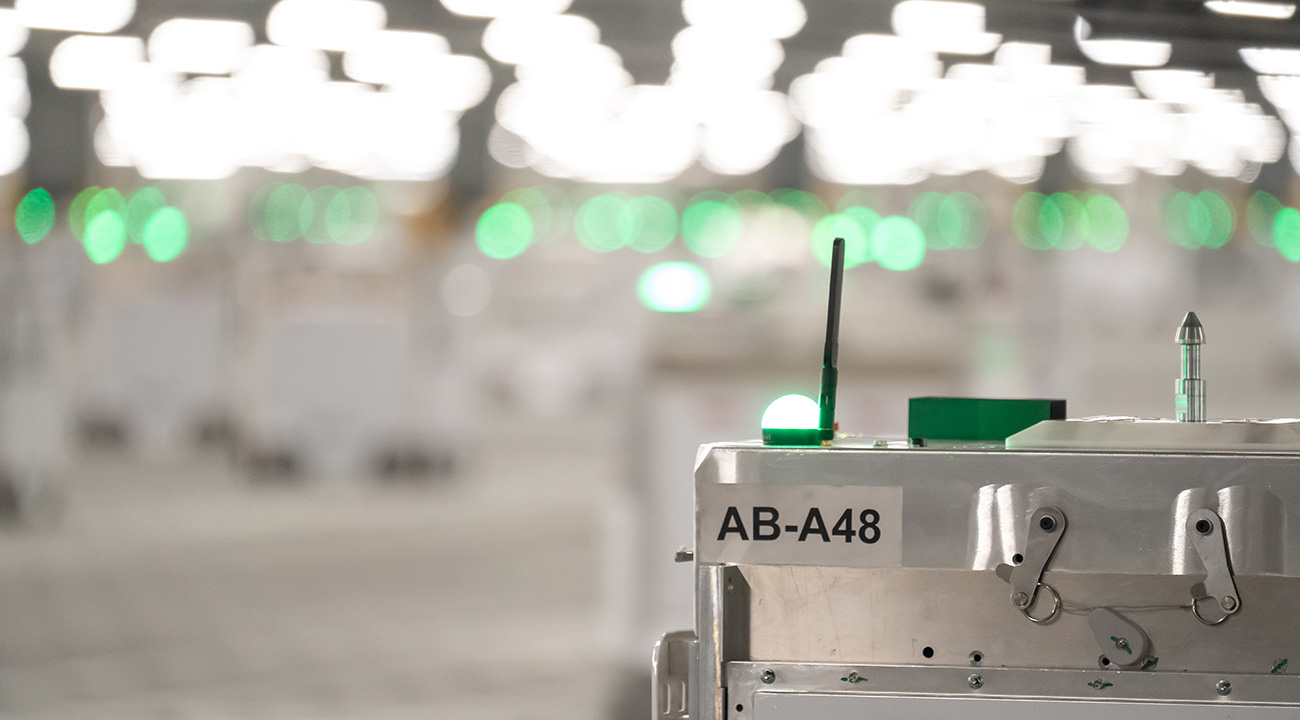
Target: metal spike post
<point>1189,398</point>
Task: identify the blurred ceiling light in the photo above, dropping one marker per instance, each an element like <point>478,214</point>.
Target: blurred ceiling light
<point>13,144</point>
<point>13,34</point>
<point>15,96</point>
<point>887,60</point>
<point>323,24</point>
<point>387,56</point>
<point>515,39</point>
<point>271,69</point>
<point>773,19</point>
<point>746,132</point>
<point>1128,53</point>
<point>585,67</point>
<point>88,16</point>
<point>94,62</point>
<point>1252,8</point>
<point>1015,54</point>
<point>453,83</point>
<point>726,53</point>
<point>1173,86</point>
<point>192,45</point>
<point>497,8</point>
<point>944,26</point>
<point>140,89</point>
<point>1272,61</point>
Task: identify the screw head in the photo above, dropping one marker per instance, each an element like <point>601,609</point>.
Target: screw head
<point>1224,687</point>
<point>1122,644</point>
<point>975,681</point>
<point>853,677</point>
<point>768,677</point>
<point>1204,526</point>
<point>1229,603</point>
<point>1047,523</point>
<point>1020,600</point>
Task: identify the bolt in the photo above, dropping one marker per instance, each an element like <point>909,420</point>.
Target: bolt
<point>1224,687</point>
<point>1204,526</point>
<point>1229,603</point>
<point>769,677</point>
<point>853,677</point>
<point>1020,600</point>
<point>975,681</point>
<point>1122,644</point>
<point>1047,523</point>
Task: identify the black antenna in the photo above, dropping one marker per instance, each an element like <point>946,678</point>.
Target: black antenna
<point>830,356</point>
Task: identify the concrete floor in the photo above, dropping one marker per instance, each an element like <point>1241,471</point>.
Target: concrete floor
<point>186,593</point>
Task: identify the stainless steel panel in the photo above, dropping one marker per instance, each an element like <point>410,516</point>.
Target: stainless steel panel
<point>780,706</point>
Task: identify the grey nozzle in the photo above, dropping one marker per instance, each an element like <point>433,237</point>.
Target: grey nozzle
<point>1191,332</point>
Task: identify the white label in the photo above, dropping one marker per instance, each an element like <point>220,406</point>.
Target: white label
<point>844,526</point>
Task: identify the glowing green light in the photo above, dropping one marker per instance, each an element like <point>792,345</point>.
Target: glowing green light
<point>711,229</point>
<point>1220,220</point>
<point>1286,233</point>
<point>1074,225</point>
<point>77,210</point>
<point>898,243</point>
<point>976,218</point>
<point>542,208</point>
<point>313,214</point>
<point>791,412</point>
<point>1261,208</point>
<point>142,205</point>
<point>504,231</point>
<point>748,199</point>
<point>924,211</point>
<point>106,200</point>
<point>648,224</point>
<point>1026,221</point>
<point>597,222</point>
<point>351,216</point>
<point>105,237</point>
<point>283,212</point>
<point>1051,222</point>
<point>857,240</point>
<point>674,287</point>
<point>807,204</point>
<point>166,234</point>
<point>34,217</point>
<point>1107,223</point>
<point>1186,220</point>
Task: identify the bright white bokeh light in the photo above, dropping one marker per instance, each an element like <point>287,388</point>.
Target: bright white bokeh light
<point>388,56</point>
<point>15,97</point>
<point>520,38</point>
<point>945,26</point>
<point>466,291</point>
<point>324,24</point>
<point>1272,61</point>
<point>13,144</point>
<point>1126,53</point>
<point>451,83</point>
<point>13,34</point>
<point>498,8</point>
<point>775,19</point>
<point>94,62</point>
<point>1173,86</point>
<point>83,16</point>
<point>193,45</point>
<point>791,412</point>
<point>1252,8</point>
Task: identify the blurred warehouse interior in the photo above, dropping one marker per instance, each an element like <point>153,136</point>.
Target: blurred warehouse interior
<point>355,353</point>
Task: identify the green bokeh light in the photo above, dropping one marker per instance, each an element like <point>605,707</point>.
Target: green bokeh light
<point>1074,221</point>
<point>1051,222</point>
<point>105,236</point>
<point>749,199</point>
<point>1261,209</point>
<point>710,228</point>
<point>77,210</point>
<point>674,287</point>
<point>351,216</point>
<point>34,217</point>
<point>791,412</point>
<point>976,218</point>
<point>106,200</point>
<point>1286,233</point>
<point>1026,223</point>
<point>313,214</point>
<point>142,205</point>
<point>1220,218</point>
<point>648,224</point>
<point>898,243</point>
<point>805,203</point>
<point>283,212</point>
<point>857,238</point>
<point>166,234</point>
<point>542,208</point>
<point>504,231</point>
<point>597,222</point>
<point>1107,223</point>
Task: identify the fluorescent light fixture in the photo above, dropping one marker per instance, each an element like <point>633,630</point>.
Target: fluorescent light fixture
<point>209,47</point>
<point>515,39</point>
<point>1252,8</point>
<point>13,34</point>
<point>94,62</point>
<point>86,16</point>
<point>1272,61</point>
<point>945,26</point>
<point>388,56</point>
<point>324,24</point>
<point>1127,53</point>
<point>498,8</point>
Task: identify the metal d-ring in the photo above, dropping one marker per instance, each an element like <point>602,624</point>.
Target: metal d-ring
<point>1197,615</point>
<point>1056,606</point>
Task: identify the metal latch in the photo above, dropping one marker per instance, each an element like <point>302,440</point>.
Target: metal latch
<point>1123,643</point>
<point>1215,597</point>
<point>671,681</point>
<point>1046,526</point>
